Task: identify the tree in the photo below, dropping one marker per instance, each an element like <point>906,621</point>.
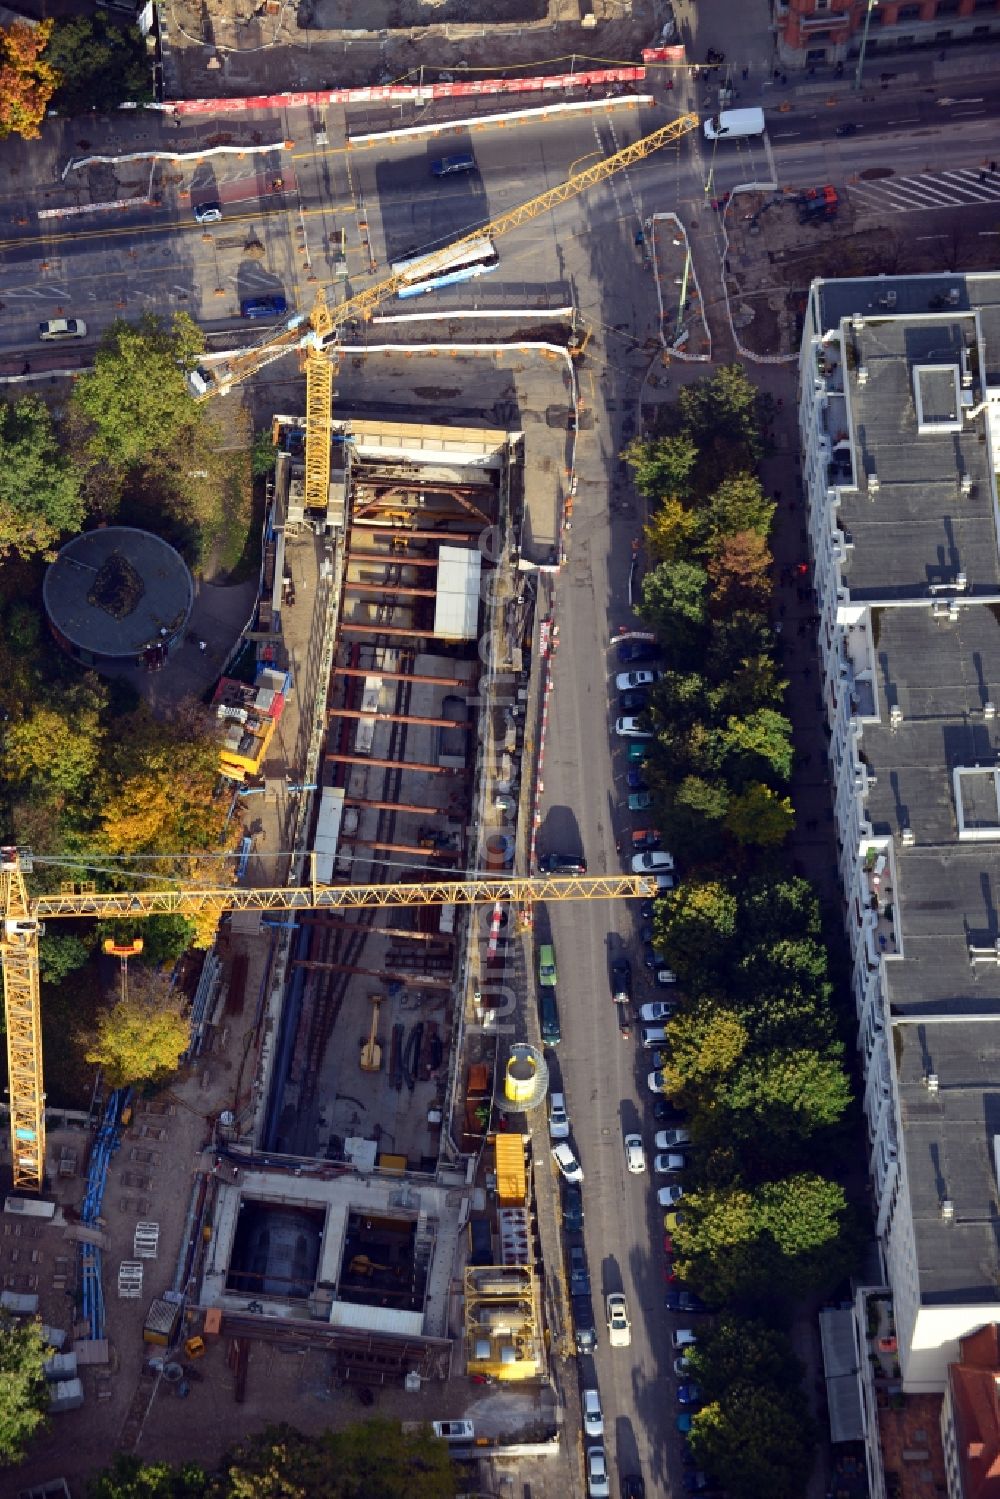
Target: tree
<point>24,1395</point>
<point>162,785</point>
<point>164,938</point>
<point>100,66</point>
<point>739,571</point>
<point>759,815</point>
<point>732,1349</point>
<point>762,738</point>
<point>130,1478</point>
<point>752,682</point>
<point>695,923</point>
<point>757,1440</point>
<point>781,1097</point>
<point>706,1043</point>
<point>738,503</point>
<point>57,747</point>
<point>141,1037</point>
<point>674,605</point>
<point>723,407</point>
<point>40,497</point>
<point>671,531</point>
<point>663,466</point>
<point>370,1460</point>
<point>27,81</point>
<point>134,403</point>
<point>59,955</point>
<point>262,454</point>
<point>739,637</point>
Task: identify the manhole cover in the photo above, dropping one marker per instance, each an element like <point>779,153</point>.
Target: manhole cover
<point>872,174</point>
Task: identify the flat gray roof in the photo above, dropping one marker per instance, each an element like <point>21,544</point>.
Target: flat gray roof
<point>110,592</point>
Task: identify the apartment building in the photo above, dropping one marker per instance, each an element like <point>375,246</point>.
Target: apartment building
<point>814,33</point>
<point>900,426</point>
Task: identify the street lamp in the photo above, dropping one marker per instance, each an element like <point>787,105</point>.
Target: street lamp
<point>864,43</point>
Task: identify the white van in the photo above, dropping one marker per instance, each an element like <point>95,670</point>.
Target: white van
<point>653,1036</point>
<point>733,123</point>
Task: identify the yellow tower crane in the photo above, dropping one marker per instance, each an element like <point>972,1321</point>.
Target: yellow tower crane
<point>23,917</point>
<point>315,332</point>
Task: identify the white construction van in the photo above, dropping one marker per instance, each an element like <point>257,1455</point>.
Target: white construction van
<point>733,123</point>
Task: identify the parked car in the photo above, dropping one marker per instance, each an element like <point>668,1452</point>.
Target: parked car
<point>256,307</point>
<point>62,327</point>
<point>652,862</point>
<point>630,651</point>
<point>640,801</point>
<point>684,1422</point>
<point>631,728</point>
<point>579,1275</point>
<point>207,213</point>
<point>685,1301</point>
<point>572,1207</point>
<point>593,1415</point>
<point>621,981</point>
<point>667,1161</point>
<point>547,965</point>
<point>562,864</point>
<point>684,1337</point>
<point>567,1162</point>
<point>663,1110</point>
<point>619,1326</point>
<point>657,1011</point>
<point>681,1367</point>
<point>628,681</point>
<point>558,1117</point>
<point>645,838</point>
<point>670,1139</point>
<point>667,1197</point>
<point>454,1431</point>
<point>636,753</point>
<point>635,701</point>
<point>848,128</point>
<point>688,1393</point>
<point>655,1083</point>
<point>598,1483</point>
<point>584,1327</point>
<point>634,778</point>
<point>653,1036</point>
<point>659,1059</point>
<point>448,166</point>
<point>549,1017</point>
<point>635,1155</point>
<point>672,1222</point>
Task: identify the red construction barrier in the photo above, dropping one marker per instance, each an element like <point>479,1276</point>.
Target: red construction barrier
<point>396,93</point>
<point>663,54</point>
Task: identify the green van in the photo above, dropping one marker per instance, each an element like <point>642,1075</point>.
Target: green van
<point>547,966</point>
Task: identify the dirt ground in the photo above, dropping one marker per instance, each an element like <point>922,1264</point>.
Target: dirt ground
<point>772,258</point>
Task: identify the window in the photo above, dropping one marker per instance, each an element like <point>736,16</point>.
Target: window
<point>908,13</point>
<point>942,36</point>
<point>816,54</point>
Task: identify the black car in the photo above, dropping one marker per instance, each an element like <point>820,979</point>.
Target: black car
<point>584,1326</point>
<point>621,981</point>
<point>684,1301</point>
<point>665,1112</point>
<point>638,650</point>
<point>579,1275</point>
<point>647,909</point>
<point>849,129</point>
<point>562,864</point>
<point>572,1206</point>
<point>636,700</point>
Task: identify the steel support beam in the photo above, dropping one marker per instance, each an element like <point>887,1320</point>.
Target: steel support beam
<point>436,723</point>
<point>404,588</point>
<point>398,676</point>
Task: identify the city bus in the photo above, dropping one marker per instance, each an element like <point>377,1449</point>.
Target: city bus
<point>476,257</point>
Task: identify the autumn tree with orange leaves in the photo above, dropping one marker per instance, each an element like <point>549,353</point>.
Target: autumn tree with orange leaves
<point>27,82</point>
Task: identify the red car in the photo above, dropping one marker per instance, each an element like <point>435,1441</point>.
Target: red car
<point>668,1244</point>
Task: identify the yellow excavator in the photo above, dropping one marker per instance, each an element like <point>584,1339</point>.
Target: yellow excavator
<point>371,1051</point>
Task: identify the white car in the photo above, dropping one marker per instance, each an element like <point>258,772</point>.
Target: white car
<point>558,1117</point>
<point>669,1197</point>
<point>635,1156</point>
<point>631,728</point>
<point>567,1163</point>
<point>598,1484</point>
<point>626,680</point>
<point>657,1012</point>
<point>668,1160</point>
<point>670,1139</point>
<point>653,861</point>
<point>666,975</point>
<point>619,1327</point>
<point>593,1416</point>
<point>682,1368</point>
<point>62,327</point>
<point>684,1338</point>
<point>454,1431</point>
<point>654,1082</point>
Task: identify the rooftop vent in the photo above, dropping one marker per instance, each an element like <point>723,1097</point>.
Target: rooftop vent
<point>931,1081</point>
<point>895,716</point>
<point>907,837</point>
<point>965,484</point>
<point>947,1210</point>
<point>873,485</point>
<point>961,582</point>
<point>862,374</point>
<point>989,709</point>
<point>857,322</point>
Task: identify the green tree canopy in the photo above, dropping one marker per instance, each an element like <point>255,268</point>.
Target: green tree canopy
<point>695,922</point>
<point>663,466</point>
<point>759,740</point>
<point>130,1478</point>
<point>100,65</point>
<point>60,954</point>
<point>757,1440</point>
<point>737,505</point>
<point>141,1038</point>
<point>58,744</point>
<point>674,604</point>
<point>781,1097</point>
<point>732,1349</point>
<point>24,1397</point>
<point>739,571</point>
<point>759,815</point>
<point>40,499</point>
